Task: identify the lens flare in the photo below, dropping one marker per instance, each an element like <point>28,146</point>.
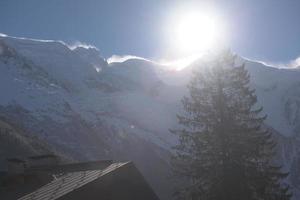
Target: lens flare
<point>196,32</point>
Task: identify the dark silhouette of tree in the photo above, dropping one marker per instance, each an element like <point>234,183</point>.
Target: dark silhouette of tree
<point>225,152</point>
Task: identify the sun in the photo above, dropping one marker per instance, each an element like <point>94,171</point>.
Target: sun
<point>196,32</point>
<point>193,31</point>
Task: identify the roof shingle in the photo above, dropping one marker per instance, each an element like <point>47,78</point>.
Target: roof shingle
<point>69,182</point>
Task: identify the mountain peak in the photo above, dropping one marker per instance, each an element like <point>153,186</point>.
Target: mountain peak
<point>91,55</point>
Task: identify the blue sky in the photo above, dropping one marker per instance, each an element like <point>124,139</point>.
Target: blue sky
<point>266,30</point>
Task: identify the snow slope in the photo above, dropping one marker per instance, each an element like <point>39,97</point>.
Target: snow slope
<point>60,95</point>
<point>90,109</point>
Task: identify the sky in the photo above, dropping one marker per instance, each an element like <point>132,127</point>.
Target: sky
<point>265,30</point>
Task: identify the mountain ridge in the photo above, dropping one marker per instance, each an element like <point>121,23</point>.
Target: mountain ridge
<point>90,109</point>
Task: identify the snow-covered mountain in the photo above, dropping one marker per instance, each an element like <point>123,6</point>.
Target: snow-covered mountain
<point>89,109</point>
<point>85,108</point>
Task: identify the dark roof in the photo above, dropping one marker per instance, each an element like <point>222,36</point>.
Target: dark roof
<point>73,167</point>
<point>42,156</point>
<point>69,182</point>
<point>15,160</point>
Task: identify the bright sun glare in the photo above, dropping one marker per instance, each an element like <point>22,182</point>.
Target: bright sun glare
<point>193,31</point>
<point>196,32</point>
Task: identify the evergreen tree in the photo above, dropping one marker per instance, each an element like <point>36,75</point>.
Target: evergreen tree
<point>225,152</point>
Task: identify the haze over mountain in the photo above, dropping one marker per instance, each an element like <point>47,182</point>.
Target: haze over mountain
<point>86,108</point>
